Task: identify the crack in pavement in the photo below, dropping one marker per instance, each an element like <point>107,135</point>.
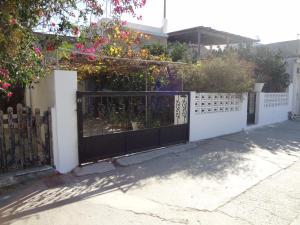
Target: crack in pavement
<point>179,208</point>
<point>173,220</point>
<point>235,217</point>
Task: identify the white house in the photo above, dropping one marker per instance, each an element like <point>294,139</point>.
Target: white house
<point>290,50</point>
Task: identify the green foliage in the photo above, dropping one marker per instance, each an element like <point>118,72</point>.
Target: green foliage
<point>178,51</point>
<point>270,69</point>
<point>135,81</point>
<point>21,59</point>
<point>220,74</point>
<point>156,49</point>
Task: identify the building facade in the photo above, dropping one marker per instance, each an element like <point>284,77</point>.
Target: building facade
<point>290,50</point>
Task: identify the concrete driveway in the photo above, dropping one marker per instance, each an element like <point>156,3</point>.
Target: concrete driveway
<point>250,177</point>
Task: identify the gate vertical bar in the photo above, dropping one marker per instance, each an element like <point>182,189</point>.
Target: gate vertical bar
<point>80,126</point>
<point>189,114</point>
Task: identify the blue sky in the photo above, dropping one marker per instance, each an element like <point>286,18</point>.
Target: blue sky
<point>271,21</point>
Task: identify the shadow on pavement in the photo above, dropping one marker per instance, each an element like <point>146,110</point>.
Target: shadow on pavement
<point>212,159</point>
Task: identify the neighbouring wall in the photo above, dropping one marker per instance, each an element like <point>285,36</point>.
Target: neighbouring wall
<point>216,114</point>
<point>40,94</point>
<point>273,108</point>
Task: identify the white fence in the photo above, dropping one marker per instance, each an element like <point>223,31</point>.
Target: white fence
<point>272,108</point>
<point>215,114</point>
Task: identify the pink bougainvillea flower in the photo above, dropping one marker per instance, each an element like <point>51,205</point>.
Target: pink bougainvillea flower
<point>12,21</point>
<point>123,23</point>
<point>116,2</point>
<point>100,41</point>
<point>53,24</point>
<point>92,4</point>
<point>9,94</point>
<point>50,47</point>
<point>118,9</point>
<point>91,58</point>
<point>79,46</point>
<point>5,85</point>
<point>4,73</point>
<point>73,56</point>
<point>37,51</point>
<point>90,50</point>
<point>124,34</point>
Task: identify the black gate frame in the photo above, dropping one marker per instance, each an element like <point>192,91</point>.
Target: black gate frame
<point>128,142</point>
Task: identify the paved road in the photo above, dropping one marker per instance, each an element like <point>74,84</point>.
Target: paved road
<point>247,178</point>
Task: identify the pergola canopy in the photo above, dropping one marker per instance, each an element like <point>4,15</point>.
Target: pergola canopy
<point>207,36</point>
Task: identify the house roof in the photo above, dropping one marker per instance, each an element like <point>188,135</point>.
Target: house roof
<point>155,31</point>
<point>209,36</point>
<point>286,48</point>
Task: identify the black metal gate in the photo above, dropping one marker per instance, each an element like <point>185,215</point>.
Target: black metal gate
<point>111,124</point>
<point>251,109</point>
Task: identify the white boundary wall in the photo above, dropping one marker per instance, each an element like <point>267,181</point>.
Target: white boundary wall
<point>58,92</point>
<point>211,114</point>
<point>273,107</point>
<point>216,114</point>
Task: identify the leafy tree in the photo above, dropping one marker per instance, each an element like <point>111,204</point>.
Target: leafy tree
<point>269,66</point>
<point>270,69</point>
<point>178,51</point>
<point>220,74</point>
<point>21,59</point>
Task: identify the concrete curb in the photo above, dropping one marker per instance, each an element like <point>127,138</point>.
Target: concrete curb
<point>100,167</point>
<point>13,178</point>
<point>152,154</point>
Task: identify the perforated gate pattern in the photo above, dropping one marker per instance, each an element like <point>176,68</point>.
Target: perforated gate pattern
<point>217,102</point>
<point>181,109</point>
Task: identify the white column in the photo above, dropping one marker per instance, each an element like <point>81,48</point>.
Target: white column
<point>244,109</point>
<point>259,107</point>
<point>192,115</point>
<point>65,139</point>
<point>291,95</point>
